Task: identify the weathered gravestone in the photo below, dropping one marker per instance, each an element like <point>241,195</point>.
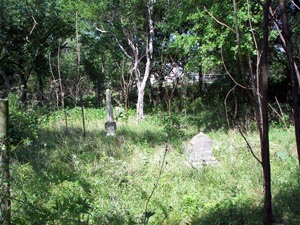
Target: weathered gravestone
<point>199,151</point>
<point>110,124</point>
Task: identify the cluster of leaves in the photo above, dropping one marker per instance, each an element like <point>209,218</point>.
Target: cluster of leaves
<point>23,123</point>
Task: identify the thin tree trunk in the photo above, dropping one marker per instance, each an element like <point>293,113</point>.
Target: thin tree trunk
<point>79,79</point>
<point>200,81</point>
<point>5,203</point>
<point>100,83</point>
<point>292,73</point>
<point>6,81</point>
<point>140,104</point>
<point>282,35</point>
<point>264,126</point>
<point>40,92</point>
<point>99,88</point>
<point>41,95</point>
<point>149,50</point>
<point>238,42</point>
<point>54,87</point>
<point>62,95</point>
<point>23,88</point>
<point>125,83</point>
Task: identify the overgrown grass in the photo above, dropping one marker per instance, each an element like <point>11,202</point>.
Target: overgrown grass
<point>61,178</point>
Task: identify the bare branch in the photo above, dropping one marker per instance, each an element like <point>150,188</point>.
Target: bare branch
<point>117,40</point>
<point>229,74</point>
<point>295,5</point>
<point>251,27</point>
<point>6,80</point>
<point>218,21</point>
<point>101,30</point>
<point>146,218</point>
<point>32,29</point>
<point>249,146</point>
<point>225,103</point>
<point>123,49</point>
<point>281,116</point>
<point>284,43</point>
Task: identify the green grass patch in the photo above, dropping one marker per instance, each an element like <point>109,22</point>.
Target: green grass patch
<point>61,178</point>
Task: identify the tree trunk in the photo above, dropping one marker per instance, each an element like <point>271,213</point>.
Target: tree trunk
<point>292,73</point>
<point>297,6</point>
<point>79,78</point>
<point>100,83</point>
<point>23,88</point>
<point>140,104</point>
<point>6,81</point>
<point>5,203</point>
<point>40,91</point>
<point>238,42</point>
<point>149,51</point>
<point>99,89</point>
<point>263,113</point>
<point>200,81</point>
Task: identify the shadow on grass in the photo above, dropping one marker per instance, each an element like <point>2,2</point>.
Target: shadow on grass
<point>147,136</point>
<point>94,143</point>
<point>287,202</point>
<point>286,209</point>
<point>56,192</point>
<point>227,212</point>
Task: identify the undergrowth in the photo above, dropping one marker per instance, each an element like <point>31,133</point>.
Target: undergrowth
<point>59,177</point>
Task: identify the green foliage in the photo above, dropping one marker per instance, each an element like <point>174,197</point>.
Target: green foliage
<point>204,114</point>
<point>23,123</point>
<point>173,127</point>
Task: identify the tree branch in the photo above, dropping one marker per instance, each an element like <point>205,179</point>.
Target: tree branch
<point>229,74</point>
<point>32,29</point>
<point>249,146</point>
<point>218,21</point>
<point>101,30</point>
<point>146,213</point>
<point>295,5</point>
<point>225,104</point>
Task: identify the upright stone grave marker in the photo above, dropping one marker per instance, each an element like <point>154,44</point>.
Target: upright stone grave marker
<point>110,125</point>
<point>199,151</point>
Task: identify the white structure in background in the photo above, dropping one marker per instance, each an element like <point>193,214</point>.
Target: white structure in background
<point>175,73</point>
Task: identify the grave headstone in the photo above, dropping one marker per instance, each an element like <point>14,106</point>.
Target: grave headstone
<point>110,124</point>
<point>199,151</point>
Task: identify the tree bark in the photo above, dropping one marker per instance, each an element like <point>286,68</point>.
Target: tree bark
<point>79,77</point>
<point>200,81</point>
<point>140,104</point>
<point>100,83</point>
<point>238,42</point>
<point>40,90</point>
<point>5,203</point>
<point>263,113</point>
<point>6,81</point>
<point>23,88</point>
<point>149,51</point>
<point>292,73</point>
